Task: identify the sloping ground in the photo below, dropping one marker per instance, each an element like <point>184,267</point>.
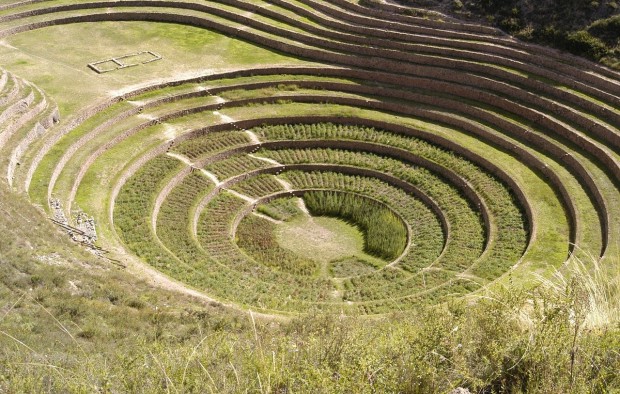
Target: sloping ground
<point>510,150</point>
<point>73,323</point>
<point>586,28</point>
<point>27,113</point>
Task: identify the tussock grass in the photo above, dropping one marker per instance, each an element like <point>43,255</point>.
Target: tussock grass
<point>484,346</point>
<point>592,287</point>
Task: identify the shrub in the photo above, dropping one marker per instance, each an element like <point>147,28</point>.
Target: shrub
<point>606,29</point>
<point>583,43</point>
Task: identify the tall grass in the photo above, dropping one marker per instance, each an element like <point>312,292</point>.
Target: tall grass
<point>484,347</point>
<point>256,236</point>
<point>385,235</point>
<point>594,289</point>
<point>92,328</point>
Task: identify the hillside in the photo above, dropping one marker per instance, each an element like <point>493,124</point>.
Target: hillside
<point>586,28</point>
<point>302,196</point>
<point>72,323</point>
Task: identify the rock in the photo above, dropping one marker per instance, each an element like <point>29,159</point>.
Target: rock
<point>460,390</point>
<point>57,211</point>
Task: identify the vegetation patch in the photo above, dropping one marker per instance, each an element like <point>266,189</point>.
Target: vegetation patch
<point>257,237</point>
<point>352,266</point>
<point>283,209</point>
<point>585,28</point>
<point>385,234</point>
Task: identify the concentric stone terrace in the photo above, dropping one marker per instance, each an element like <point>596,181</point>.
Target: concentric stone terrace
<point>465,158</point>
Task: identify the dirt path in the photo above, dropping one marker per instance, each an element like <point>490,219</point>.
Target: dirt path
<point>180,158</point>
<point>302,206</point>
<point>287,186</point>
<point>265,159</point>
<point>241,196</point>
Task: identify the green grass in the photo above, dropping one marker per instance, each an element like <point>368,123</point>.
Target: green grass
<point>322,239</point>
<point>262,241</point>
<point>70,322</point>
<point>63,74</point>
<point>385,235</point>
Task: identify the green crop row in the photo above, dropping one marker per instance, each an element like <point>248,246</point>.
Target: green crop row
<point>132,213</point>
<point>258,186</point>
<point>211,143</point>
<point>236,165</point>
<point>174,216</point>
<point>256,236</point>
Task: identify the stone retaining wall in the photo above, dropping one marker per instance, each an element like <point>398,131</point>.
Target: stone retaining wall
<point>530,159</point>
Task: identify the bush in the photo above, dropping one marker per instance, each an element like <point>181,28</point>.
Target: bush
<point>583,43</point>
<point>370,3</point>
<point>606,29</point>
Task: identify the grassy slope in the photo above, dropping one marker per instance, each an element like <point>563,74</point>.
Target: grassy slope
<point>585,28</point>
<point>56,58</point>
<point>70,322</point>
<point>64,311</point>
